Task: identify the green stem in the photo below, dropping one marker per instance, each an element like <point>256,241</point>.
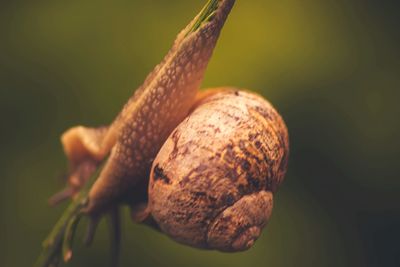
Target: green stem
<point>204,15</point>
<point>59,241</point>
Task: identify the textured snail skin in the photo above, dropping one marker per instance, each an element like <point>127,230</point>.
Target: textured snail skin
<point>157,107</point>
<point>212,182</point>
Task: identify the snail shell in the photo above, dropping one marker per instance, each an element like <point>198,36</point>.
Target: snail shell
<point>211,184</point>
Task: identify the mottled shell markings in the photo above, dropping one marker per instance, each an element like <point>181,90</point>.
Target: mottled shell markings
<point>212,181</point>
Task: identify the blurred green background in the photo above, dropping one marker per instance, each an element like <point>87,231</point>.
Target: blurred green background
<point>332,68</point>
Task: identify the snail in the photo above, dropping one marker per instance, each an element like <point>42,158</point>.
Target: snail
<point>200,166</point>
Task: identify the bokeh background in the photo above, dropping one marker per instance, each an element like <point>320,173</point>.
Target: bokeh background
<point>332,68</point>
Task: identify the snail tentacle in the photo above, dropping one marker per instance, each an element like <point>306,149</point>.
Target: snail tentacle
<point>82,142</point>
<point>83,148</point>
<point>61,196</point>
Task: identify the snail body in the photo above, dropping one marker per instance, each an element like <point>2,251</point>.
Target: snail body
<point>133,139</point>
<point>212,183</point>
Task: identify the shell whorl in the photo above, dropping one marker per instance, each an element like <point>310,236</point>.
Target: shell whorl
<point>211,183</point>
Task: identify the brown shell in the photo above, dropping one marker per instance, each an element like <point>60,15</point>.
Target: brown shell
<point>211,183</point>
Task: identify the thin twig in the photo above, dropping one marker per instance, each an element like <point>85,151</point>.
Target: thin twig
<point>58,243</point>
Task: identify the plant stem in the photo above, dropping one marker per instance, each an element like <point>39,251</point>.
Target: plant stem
<point>204,15</point>
<point>58,243</point>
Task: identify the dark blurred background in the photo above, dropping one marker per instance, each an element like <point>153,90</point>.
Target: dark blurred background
<point>332,68</point>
